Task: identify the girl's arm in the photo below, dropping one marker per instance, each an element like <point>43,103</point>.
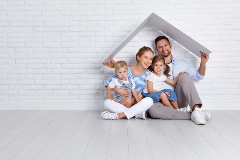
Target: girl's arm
<point>109,95</point>
<point>150,87</point>
<point>173,82</point>
<point>135,95</point>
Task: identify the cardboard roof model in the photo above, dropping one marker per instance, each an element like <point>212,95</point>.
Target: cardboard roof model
<point>166,28</point>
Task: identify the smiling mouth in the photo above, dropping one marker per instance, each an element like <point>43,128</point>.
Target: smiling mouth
<point>147,64</point>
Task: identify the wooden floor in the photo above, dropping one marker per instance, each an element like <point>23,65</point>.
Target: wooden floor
<point>76,135</point>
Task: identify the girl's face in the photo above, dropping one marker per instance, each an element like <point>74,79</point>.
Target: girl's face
<point>158,67</point>
<point>122,73</point>
<point>146,59</point>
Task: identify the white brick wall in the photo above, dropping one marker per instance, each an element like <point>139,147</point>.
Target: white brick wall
<point>51,50</point>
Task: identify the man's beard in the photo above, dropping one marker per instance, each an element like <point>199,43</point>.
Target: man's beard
<point>165,56</point>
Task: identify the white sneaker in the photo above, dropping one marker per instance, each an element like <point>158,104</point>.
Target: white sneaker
<point>141,116</point>
<point>207,115</point>
<point>109,116</point>
<point>184,109</point>
<point>198,117</point>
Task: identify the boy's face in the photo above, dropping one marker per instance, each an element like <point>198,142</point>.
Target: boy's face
<point>122,73</point>
<point>164,48</point>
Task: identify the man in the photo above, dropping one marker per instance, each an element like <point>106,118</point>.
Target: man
<point>185,89</point>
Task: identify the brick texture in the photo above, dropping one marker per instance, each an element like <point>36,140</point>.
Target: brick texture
<point>51,51</point>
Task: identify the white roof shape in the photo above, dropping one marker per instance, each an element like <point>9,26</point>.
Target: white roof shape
<point>166,28</point>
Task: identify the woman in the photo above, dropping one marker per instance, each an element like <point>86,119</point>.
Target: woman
<point>138,73</point>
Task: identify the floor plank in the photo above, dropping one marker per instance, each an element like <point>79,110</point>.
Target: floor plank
<point>98,141</point>
<point>76,147</point>
<point>118,148</point>
<point>180,146</point>
<point>74,135</point>
<point>201,147</point>
<point>221,145</point>
<point>159,146</point>
<point>14,147</point>
<point>55,148</point>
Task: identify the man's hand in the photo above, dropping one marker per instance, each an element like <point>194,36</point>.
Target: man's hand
<point>202,67</point>
<point>183,73</point>
<point>110,63</point>
<point>204,58</point>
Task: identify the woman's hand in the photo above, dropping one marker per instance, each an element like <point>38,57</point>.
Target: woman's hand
<point>122,91</point>
<point>110,63</point>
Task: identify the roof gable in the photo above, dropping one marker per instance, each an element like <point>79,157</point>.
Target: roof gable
<point>166,28</point>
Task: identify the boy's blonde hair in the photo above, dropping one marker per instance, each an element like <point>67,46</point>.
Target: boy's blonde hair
<point>120,64</point>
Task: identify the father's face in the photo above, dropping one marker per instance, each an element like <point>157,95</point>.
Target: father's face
<point>164,48</point>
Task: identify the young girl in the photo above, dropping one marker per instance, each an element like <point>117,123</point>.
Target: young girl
<point>123,81</point>
<point>154,86</point>
<point>138,73</point>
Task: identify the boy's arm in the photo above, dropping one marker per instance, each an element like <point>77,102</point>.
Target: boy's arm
<point>109,95</point>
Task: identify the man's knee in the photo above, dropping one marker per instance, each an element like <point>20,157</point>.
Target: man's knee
<point>154,110</point>
<point>184,79</point>
<point>184,76</point>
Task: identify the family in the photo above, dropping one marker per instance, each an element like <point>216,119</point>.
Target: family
<point>159,86</point>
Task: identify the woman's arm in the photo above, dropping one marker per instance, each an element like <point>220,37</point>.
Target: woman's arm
<point>110,64</point>
<point>135,95</point>
<point>121,91</point>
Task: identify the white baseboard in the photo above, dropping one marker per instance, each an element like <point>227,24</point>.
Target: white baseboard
<point>234,105</point>
<point>97,105</point>
<point>86,105</point>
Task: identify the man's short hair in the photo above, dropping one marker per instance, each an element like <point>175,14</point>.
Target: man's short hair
<point>159,38</point>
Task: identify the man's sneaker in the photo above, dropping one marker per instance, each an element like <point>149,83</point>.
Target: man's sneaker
<point>207,115</point>
<point>184,109</point>
<point>109,116</point>
<point>141,116</point>
<point>198,117</point>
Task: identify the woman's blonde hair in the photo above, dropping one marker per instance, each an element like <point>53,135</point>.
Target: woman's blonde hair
<point>143,50</point>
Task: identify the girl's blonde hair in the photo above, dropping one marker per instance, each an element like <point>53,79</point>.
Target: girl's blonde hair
<point>166,67</point>
<point>120,64</point>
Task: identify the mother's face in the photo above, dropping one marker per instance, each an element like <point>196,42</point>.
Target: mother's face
<point>145,60</point>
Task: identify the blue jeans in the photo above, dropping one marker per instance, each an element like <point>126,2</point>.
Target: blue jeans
<point>156,95</point>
